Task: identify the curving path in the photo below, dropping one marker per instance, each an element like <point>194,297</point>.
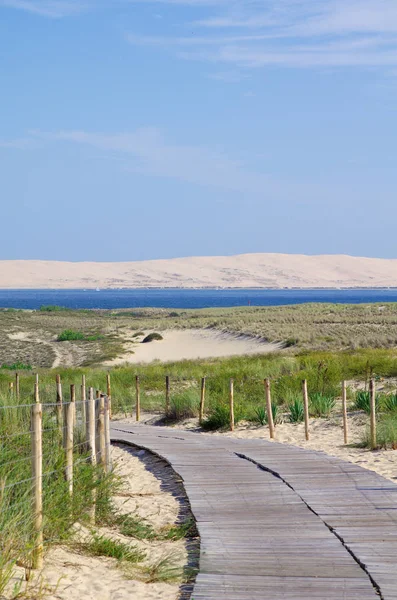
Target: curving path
<point>278,522</point>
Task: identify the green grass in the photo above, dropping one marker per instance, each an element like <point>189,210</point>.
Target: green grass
<point>101,545</point>
<point>296,411</point>
<point>321,405</point>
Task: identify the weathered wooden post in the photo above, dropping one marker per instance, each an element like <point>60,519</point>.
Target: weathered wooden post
<point>202,400</point>
<point>59,402</point>
<point>372,394</point>
<point>109,394</point>
<point>306,408</point>
<point>17,385</point>
<point>344,413</point>
<point>69,414</point>
<point>101,433</point>
<point>11,388</point>
<point>83,402</point>
<point>269,408</point>
<point>37,476</point>
<point>137,398</point>
<point>231,402</point>
<point>91,444</point>
<point>167,395</point>
<point>108,458</point>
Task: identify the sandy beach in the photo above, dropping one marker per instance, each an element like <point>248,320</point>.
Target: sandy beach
<point>191,344</point>
<point>150,491</point>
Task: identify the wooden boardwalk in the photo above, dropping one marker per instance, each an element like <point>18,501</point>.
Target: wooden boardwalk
<point>278,522</point>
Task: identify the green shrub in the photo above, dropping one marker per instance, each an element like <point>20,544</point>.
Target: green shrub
<point>52,308</point>
<point>386,432</point>
<point>390,403</point>
<point>18,366</point>
<point>152,337</point>
<point>291,342</point>
<point>138,334</point>
<point>296,411</point>
<point>363,401</point>
<point>260,415</point>
<point>69,335</point>
<point>321,405</point>
<point>219,417</point>
<point>184,405</point>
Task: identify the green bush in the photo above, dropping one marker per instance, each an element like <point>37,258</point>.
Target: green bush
<point>18,366</point>
<point>184,405</point>
<point>296,411</point>
<point>219,417</point>
<point>69,335</point>
<point>260,415</point>
<point>390,403</point>
<point>363,401</point>
<point>152,337</point>
<point>386,433</point>
<point>52,308</point>
<point>321,405</point>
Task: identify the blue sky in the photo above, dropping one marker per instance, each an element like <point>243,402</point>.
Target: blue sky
<point>136,129</point>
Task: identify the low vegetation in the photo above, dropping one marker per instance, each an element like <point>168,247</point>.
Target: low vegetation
<point>152,337</point>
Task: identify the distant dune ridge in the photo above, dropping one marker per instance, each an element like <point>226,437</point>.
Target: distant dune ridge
<point>242,271</point>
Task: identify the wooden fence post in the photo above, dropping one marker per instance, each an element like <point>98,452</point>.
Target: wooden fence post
<point>69,415</point>
<point>344,413</point>
<point>109,394</point>
<point>306,408</point>
<point>167,395</point>
<point>372,393</point>
<point>137,398</point>
<point>11,388</point>
<point>101,432</point>
<point>269,408</point>
<point>231,401</point>
<point>37,475</point>
<point>202,401</point>
<point>17,385</point>
<point>59,402</point>
<point>108,459</point>
<point>83,403</point>
<point>91,444</point>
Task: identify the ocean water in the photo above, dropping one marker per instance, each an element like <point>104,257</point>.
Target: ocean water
<point>160,298</point>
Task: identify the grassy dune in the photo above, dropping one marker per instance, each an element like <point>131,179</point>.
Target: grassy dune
<point>31,337</point>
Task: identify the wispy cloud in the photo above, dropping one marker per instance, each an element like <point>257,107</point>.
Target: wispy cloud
<point>47,8</point>
<point>146,151</point>
<point>290,33</point>
<point>19,143</point>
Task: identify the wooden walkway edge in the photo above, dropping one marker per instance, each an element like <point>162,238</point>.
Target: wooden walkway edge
<point>302,526</point>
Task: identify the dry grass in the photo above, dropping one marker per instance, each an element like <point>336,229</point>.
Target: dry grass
<point>30,336</point>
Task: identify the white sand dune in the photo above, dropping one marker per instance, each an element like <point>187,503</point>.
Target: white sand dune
<point>242,271</point>
<point>190,344</point>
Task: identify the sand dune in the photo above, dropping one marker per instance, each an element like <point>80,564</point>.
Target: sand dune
<point>242,271</point>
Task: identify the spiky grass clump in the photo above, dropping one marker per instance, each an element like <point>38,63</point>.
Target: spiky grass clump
<point>321,405</point>
<point>184,405</point>
<point>101,545</point>
<point>296,411</point>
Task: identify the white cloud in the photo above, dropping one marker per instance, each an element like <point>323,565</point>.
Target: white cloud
<point>47,8</point>
<point>291,33</point>
<point>147,152</point>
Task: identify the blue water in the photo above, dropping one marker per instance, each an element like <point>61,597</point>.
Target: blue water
<point>110,299</point>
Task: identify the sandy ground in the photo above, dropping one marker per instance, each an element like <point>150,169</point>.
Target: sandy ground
<point>152,491</point>
<point>191,344</point>
<point>241,271</point>
<point>326,435</point>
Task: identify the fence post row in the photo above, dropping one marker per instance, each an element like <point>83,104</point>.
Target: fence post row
<point>306,408</point>
<point>137,398</point>
<point>202,400</point>
<point>59,402</point>
<point>372,393</point>
<point>231,401</point>
<point>17,385</point>
<point>269,408</point>
<point>37,476</point>
<point>91,444</point>
<point>108,455</point>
